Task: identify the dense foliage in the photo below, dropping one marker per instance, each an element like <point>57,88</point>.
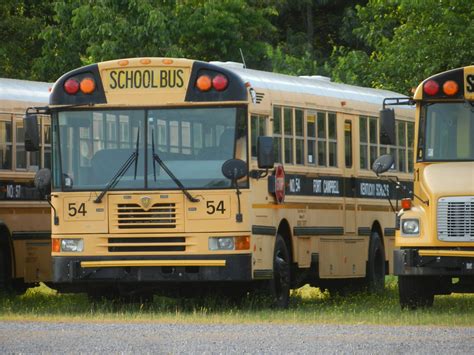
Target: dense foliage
<point>392,44</point>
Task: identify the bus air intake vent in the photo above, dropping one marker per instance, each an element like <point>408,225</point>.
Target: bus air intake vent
<point>456,219</point>
<point>260,96</point>
<point>133,216</point>
<point>146,244</point>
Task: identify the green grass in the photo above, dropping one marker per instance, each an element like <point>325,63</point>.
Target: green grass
<point>308,305</point>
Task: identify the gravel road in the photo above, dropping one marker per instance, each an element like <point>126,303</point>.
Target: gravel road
<point>85,337</point>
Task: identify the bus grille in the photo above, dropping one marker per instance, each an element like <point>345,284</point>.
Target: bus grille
<point>133,216</point>
<point>456,219</point>
<point>146,244</point>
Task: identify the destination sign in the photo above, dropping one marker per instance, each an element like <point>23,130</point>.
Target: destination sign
<point>149,78</point>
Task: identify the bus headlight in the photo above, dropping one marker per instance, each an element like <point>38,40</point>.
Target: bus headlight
<point>221,243</point>
<point>230,243</point>
<point>410,227</point>
<point>72,245</point>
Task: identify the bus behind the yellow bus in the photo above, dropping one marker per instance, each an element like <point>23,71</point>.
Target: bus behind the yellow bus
<point>174,173</point>
<point>25,227</point>
<point>436,234</point>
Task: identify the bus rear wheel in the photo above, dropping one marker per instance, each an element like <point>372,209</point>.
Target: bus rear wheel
<point>415,291</point>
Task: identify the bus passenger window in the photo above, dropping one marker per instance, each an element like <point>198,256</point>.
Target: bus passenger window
<point>46,162</point>
<point>332,139</point>
<point>258,128</point>
<point>311,138</point>
<point>288,131</point>
<point>368,137</point>
<point>410,142</point>
<point>321,138</point>
<point>5,145</point>
<point>277,133</point>
<point>348,143</point>
<point>373,138</point>
<point>299,136</point>
<point>401,148</point>
<point>364,148</point>
<point>20,146</point>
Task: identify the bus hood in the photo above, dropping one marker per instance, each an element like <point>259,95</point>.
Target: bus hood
<point>449,179</point>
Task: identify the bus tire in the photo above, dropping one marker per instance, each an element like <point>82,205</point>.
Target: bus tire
<point>415,292</point>
<point>3,270</point>
<point>279,286</point>
<point>375,277</point>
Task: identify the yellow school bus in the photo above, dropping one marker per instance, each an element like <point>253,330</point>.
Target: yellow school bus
<point>436,226</point>
<point>175,173</point>
<point>25,222</point>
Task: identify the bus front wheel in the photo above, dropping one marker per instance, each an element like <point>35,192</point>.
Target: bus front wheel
<point>415,291</point>
<point>375,279</point>
<point>278,288</point>
<point>3,270</point>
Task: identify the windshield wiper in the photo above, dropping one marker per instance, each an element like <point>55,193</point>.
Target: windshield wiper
<point>157,158</point>
<point>122,170</point>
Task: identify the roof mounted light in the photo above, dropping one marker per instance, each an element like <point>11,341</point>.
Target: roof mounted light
<point>71,86</point>
<point>220,82</point>
<point>204,83</point>
<point>87,85</point>
<point>450,88</point>
<point>431,87</point>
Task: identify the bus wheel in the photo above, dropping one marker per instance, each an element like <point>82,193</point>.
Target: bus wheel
<point>415,291</point>
<point>375,278</point>
<point>279,286</point>
<point>3,271</point>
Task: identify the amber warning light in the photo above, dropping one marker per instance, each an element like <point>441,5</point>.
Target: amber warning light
<point>406,204</point>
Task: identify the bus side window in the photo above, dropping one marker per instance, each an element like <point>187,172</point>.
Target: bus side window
<point>311,137</point>
<point>258,128</point>
<point>288,131</point>
<point>332,139</point>
<point>401,146</point>
<point>348,143</point>
<point>6,145</point>
<point>299,136</point>
<point>321,134</point>
<point>277,133</point>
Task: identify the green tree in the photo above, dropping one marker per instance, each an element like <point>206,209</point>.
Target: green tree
<point>90,31</point>
<point>219,30</point>
<point>406,41</point>
<point>307,32</point>
<point>21,22</point>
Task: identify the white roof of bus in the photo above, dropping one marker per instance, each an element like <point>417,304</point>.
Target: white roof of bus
<point>312,85</point>
<point>24,90</point>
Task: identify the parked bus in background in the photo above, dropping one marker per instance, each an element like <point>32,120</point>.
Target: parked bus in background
<point>436,234</point>
<point>180,173</point>
<point>25,222</point>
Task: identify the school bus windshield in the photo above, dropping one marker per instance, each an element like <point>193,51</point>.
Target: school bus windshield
<point>449,131</point>
<point>92,147</point>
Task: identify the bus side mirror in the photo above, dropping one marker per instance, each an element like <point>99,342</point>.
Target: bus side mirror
<point>32,136</point>
<point>265,154</point>
<point>234,169</point>
<point>43,181</point>
<point>382,164</point>
<point>387,126</point>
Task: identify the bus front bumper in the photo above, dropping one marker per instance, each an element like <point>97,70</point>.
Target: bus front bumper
<point>414,261</point>
<point>152,269</point>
